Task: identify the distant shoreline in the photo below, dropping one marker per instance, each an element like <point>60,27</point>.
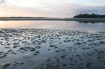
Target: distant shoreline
<point>55,19</point>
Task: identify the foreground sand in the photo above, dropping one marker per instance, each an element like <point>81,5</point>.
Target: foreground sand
<point>51,49</point>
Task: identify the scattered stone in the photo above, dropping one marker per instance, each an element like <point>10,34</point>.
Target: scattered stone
<point>70,58</point>
<point>64,64</point>
<point>52,45</point>
<point>21,62</point>
<point>63,56</point>
<point>7,47</point>
<point>1,56</point>
<point>5,65</point>
<point>32,49</point>
<point>48,59</point>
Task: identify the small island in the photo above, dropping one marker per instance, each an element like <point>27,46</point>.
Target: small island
<point>86,15</point>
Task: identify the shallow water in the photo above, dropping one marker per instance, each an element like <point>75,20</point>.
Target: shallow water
<point>68,25</point>
<point>52,45</point>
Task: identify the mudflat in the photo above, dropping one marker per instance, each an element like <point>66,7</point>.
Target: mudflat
<point>51,49</point>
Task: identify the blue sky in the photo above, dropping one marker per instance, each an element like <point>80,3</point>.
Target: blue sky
<point>50,8</point>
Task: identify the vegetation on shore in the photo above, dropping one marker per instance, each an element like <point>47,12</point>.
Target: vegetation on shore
<point>86,15</point>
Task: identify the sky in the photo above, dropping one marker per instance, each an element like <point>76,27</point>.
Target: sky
<point>50,8</point>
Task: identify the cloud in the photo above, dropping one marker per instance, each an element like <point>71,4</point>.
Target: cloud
<point>62,9</point>
<point>77,9</point>
<point>92,9</point>
<point>2,1</point>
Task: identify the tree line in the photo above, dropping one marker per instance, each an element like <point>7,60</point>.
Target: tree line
<point>86,15</point>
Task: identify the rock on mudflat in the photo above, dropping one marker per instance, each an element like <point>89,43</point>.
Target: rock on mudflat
<point>21,62</point>
<point>48,59</point>
<point>64,64</point>
<point>5,65</point>
<point>1,56</point>
<point>17,62</point>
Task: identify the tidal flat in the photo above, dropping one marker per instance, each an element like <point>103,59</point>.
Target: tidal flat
<point>51,49</point>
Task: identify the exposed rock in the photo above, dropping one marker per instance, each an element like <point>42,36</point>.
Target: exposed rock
<point>5,65</point>
<point>64,64</point>
<point>1,56</point>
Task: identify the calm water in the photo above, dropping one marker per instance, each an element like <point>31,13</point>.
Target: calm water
<point>68,25</point>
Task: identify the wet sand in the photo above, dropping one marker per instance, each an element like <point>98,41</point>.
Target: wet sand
<point>51,49</point>
<point>56,19</point>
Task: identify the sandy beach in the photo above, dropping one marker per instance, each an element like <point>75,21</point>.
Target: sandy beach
<point>51,49</point>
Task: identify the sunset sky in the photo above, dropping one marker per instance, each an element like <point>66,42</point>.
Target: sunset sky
<point>50,8</point>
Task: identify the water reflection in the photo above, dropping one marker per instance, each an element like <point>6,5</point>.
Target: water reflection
<point>92,22</point>
<point>68,25</point>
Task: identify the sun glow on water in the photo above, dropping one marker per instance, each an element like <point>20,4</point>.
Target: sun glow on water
<point>1,23</point>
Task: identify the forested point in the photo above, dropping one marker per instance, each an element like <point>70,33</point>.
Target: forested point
<point>89,16</point>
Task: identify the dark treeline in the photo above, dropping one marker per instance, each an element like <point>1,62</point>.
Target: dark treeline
<point>86,15</point>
